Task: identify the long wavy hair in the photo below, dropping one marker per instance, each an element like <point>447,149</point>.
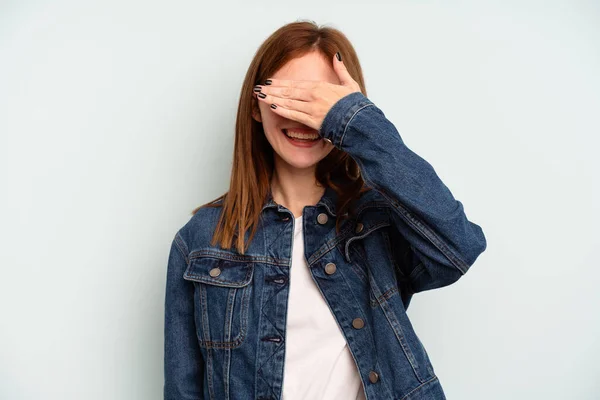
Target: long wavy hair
<point>253,164</point>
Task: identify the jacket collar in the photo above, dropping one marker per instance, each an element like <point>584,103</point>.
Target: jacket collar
<point>328,200</point>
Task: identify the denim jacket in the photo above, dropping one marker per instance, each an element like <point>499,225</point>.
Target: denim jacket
<point>225,313</point>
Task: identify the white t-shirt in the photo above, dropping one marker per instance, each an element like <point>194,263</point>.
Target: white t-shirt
<point>318,364</point>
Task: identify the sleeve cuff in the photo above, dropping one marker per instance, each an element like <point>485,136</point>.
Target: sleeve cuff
<point>339,116</point>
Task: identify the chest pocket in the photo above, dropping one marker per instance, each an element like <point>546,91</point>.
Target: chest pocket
<point>366,229</point>
<point>221,297</point>
<point>368,251</point>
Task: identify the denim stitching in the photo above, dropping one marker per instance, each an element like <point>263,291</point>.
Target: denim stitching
<point>427,382</point>
<point>244,304</point>
<point>350,120</point>
<point>180,244</point>
<point>399,333</point>
<point>371,229</point>
<point>427,232</point>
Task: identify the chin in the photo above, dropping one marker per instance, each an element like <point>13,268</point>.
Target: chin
<point>302,162</point>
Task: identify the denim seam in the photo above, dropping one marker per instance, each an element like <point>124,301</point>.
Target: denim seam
<point>387,294</point>
<point>182,247</point>
<point>223,283</point>
<point>427,382</point>
<point>357,270</point>
<point>350,120</point>
<point>365,276</point>
<point>420,227</point>
<point>239,338</point>
<point>373,228</point>
<point>458,262</point>
<point>228,329</point>
<point>232,257</point>
<point>229,314</point>
<point>204,324</point>
<point>401,337</point>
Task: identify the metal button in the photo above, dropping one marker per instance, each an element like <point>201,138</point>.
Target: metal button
<point>322,218</point>
<point>330,268</point>
<point>215,272</point>
<point>359,227</point>
<point>373,376</point>
<point>358,323</point>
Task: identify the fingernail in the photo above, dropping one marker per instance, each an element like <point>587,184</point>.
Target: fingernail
<point>273,105</point>
<point>262,95</point>
<point>339,56</point>
<point>257,88</point>
<point>268,82</point>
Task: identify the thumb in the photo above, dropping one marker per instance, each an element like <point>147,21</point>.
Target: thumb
<point>341,71</point>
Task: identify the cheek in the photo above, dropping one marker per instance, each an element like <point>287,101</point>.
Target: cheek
<point>271,123</point>
<point>266,114</point>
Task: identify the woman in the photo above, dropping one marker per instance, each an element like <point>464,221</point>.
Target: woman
<point>295,283</point>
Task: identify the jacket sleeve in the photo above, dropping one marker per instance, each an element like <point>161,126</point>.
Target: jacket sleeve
<point>183,363</point>
<point>435,243</point>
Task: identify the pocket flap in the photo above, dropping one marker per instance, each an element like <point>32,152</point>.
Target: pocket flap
<point>219,272</point>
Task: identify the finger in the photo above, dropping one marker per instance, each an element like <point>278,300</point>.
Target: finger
<point>301,84</point>
<point>290,104</point>
<point>342,73</point>
<point>287,92</point>
<point>294,115</point>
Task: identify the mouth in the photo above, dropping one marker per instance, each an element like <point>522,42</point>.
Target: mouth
<point>302,135</point>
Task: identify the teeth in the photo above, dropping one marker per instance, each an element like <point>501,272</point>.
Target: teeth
<point>300,135</point>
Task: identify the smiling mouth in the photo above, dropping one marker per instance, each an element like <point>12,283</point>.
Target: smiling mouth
<point>301,136</point>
